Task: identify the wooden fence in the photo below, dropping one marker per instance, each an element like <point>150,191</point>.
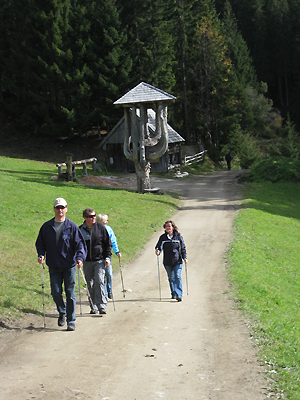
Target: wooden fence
<point>71,172</point>
<point>188,160</point>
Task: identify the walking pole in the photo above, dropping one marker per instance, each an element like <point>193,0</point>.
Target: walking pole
<point>158,277</point>
<point>43,289</point>
<point>186,279</point>
<point>88,293</point>
<point>121,273</point>
<point>112,297</point>
<point>79,291</point>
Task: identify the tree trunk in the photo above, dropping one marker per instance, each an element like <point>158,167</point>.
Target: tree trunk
<point>142,176</point>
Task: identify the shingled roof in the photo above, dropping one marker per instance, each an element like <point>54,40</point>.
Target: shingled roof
<point>144,93</point>
<point>116,135</point>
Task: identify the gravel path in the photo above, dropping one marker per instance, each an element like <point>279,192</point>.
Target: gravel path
<point>147,348</point>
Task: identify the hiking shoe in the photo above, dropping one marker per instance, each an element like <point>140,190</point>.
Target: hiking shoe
<point>102,311</point>
<point>61,319</point>
<point>109,295</point>
<point>178,298</point>
<point>71,326</point>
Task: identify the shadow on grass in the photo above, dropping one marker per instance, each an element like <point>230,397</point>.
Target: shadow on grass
<point>43,177</point>
<point>282,198</point>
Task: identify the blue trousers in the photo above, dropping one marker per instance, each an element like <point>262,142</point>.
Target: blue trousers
<point>109,277</point>
<point>174,276</point>
<point>68,277</point>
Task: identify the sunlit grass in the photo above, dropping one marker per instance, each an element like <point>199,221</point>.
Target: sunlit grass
<point>264,267</point>
<point>27,197</point>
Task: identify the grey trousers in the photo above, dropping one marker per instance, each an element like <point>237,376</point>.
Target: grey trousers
<point>94,272</point>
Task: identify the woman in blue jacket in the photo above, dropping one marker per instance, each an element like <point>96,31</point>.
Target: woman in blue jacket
<point>172,244</point>
<point>103,219</point>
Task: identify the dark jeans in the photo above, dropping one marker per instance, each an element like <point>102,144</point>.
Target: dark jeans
<point>68,277</point>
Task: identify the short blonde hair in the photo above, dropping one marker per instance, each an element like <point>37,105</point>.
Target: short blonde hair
<point>101,218</point>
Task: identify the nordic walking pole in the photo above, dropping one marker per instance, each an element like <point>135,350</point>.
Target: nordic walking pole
<point>88,293</point>
<point>186,279</point>
<point>121,273</point>
<point>43,289</point>
<point>112,297</point>
<point>158,277</point>
<point>79,291</point>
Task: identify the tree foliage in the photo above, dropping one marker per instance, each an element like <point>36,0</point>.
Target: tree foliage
<point>64,63</point>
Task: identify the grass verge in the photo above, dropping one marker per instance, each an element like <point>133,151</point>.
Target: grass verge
<point>263,265</point>
<point>27,196</point>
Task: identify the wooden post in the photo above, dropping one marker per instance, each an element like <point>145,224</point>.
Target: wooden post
<point>84,169</point>
<point>94,164</point>
<point>69,167</point>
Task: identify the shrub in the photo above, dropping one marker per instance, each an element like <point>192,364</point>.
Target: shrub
<point>276,169</point>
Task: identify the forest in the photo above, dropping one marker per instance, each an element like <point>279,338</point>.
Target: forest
<point>232,65</point>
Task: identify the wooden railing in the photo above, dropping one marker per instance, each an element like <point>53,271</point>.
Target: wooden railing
<point>188,160</point>
<point>81,162</point>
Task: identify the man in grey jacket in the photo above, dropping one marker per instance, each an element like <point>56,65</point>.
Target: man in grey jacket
<point>98,258</point>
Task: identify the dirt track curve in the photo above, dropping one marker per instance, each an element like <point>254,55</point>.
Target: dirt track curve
<point>150,349</point>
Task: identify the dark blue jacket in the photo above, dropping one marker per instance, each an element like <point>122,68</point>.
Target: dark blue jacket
<point>69,248</point>
<point>174,249</point>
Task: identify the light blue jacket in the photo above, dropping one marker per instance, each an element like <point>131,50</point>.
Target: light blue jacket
<point>113,239</point>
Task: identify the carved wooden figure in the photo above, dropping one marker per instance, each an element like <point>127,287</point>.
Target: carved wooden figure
<point>139,145</point>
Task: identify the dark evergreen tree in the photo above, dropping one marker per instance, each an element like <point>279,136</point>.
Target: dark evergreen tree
<point>31,68</point>
<point>213,99</point>
<point>149,42</point>
<point>244,75</point>
<point>183,23</point>
<point>279,51</point>
<point>271,30</point>
<point>238,49</point>
<point>96,66</point>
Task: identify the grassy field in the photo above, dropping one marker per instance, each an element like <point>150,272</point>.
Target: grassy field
<point>27,197</point>
<point>264,267</point>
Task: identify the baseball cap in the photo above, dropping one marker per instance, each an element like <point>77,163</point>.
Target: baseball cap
<point>60,202</point>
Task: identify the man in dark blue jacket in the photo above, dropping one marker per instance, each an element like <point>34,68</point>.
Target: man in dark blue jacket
<point>63,244</point>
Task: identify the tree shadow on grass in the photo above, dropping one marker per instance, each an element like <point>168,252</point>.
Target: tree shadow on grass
<point>282,198</point>
<point>43,177</point>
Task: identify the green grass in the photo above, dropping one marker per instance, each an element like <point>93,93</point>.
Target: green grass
<point>264,267</point>
<point>27,197</point>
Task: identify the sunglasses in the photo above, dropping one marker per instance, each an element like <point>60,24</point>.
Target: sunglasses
<point>60,207</point>
<point>91,216</point>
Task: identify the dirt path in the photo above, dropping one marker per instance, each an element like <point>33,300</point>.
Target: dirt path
<point>147,348</point>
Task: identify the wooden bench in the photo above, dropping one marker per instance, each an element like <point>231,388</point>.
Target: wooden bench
<point>92,161</point>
